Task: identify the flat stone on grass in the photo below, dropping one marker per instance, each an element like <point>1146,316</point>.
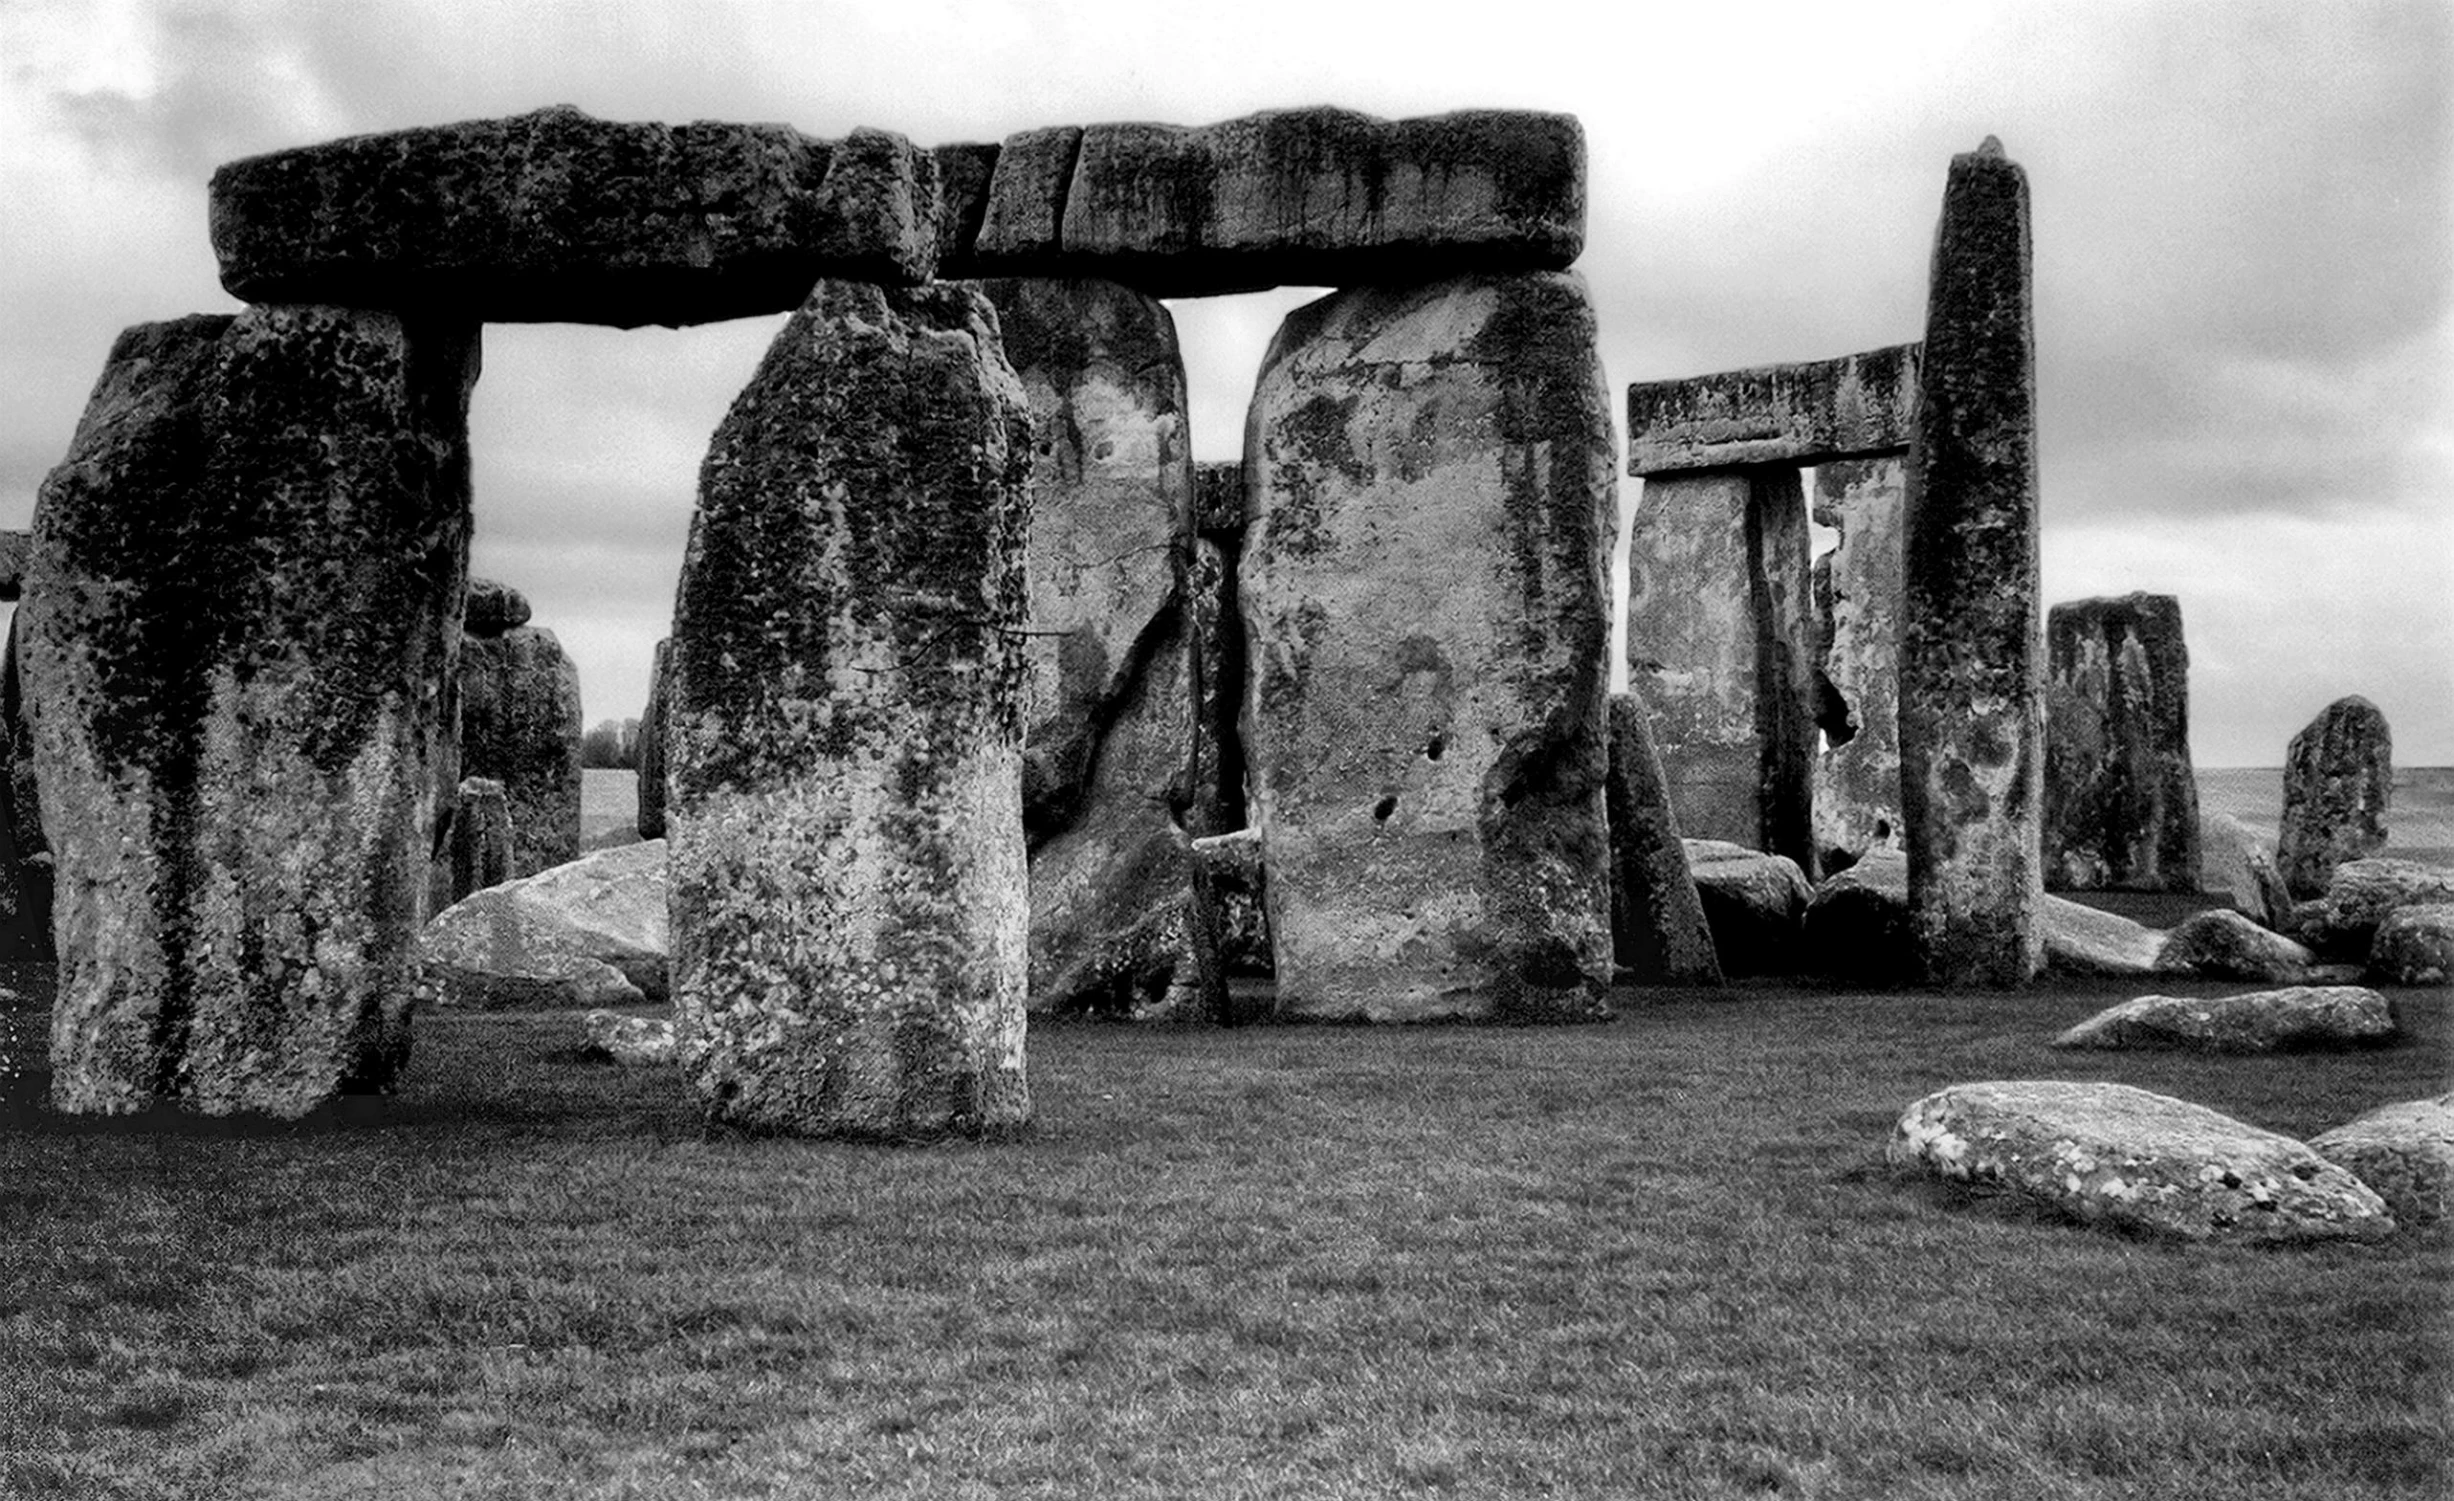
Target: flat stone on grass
<point>2299,1017</point>
<point>2405,1152</point>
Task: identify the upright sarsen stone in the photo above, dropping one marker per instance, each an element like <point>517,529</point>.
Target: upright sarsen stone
<point>1658,928</point>
<point>242,624</point>
<point>2121,799</point>
<point>1971,682</point>
<point>2338,784</point>
<point>844,742</point>
<point>651,821</point>
<point>1431,486</point>
<point>1857,771</point>
<point>520,725</point>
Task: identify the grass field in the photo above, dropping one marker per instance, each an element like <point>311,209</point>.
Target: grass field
<point>1656,1258</point>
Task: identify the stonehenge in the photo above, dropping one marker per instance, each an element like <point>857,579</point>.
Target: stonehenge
<point>2121,801</point>
<point>519,725</point>
<point>2338,785</point>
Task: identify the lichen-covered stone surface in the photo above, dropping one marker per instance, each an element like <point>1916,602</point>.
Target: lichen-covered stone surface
<point>849,898</point>
<point>1294,197</point>
<point>593,932</point>
<point>1972,725</point>
<point>651,772</point>
<point>2361,896</point>
<point>2338,789</point>
<point>2262,1021</point>
<point>2110,1154</point>
<point>1857,769</point>
<point>2414,946</point>
<point>554,216</point>
<point>1754,903</point>
<point>481,837</point>
<point>2236,862</point>
<point>2405,1152</point>
<point>1858,406</point>
<point>1423,595</point>
<point>239,636</point>
<point>1658,931</point>
<point>2221,944</point>
<point>2121,798</point>
<point>25,854</point>
<point>492,608</point>
<point>632,1041</point>
<point>520,726</point>
<point>1720,643</point>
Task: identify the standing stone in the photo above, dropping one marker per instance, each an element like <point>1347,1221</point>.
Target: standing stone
<point>1214,619</point>
<point>482,839</point>
<point>1721,637</point>
<point>850,911</point>
<point>520,725</point>
<point>239,637</point>
<point>1857,773</point>
<point>2338,785</point>
<point>25,854</point>
<point>1972,726</point>
<point>652,745</point>
<point>1431,486</point>
<point>1657,920</point>
<point>2121,800</point>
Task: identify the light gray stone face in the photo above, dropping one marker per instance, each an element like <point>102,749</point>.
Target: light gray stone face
<point>2121,798</point>
<point>520,726</point>
<point>2405,1152</point>
<point>1857,770</point>
<point>1858,406</point>
<point>1431,486</point>
<point>1720,641</point>
<point>2360,898</point>
<point>591,933</point>
<point>2264,1021</point>
<point>2221,944</point>
<point>2338,788</point>
<point>849,898</point>
<point>242,625</point>
<point>1972,725</point>
<point>2238,863</point>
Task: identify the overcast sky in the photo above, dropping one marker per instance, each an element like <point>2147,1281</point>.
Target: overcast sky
<point>2243,240</point>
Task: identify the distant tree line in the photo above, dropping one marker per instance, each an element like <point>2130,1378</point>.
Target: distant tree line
<point>611,746</point>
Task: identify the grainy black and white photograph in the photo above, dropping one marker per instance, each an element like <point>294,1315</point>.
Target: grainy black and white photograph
<point>1065,749</point>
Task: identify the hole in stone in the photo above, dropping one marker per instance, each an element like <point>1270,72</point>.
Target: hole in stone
<point>1438,747</point>
<point>1382,809</point>
<point>1883,828</point>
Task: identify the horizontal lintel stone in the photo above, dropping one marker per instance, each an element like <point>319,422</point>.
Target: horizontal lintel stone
<point>1857,406</point>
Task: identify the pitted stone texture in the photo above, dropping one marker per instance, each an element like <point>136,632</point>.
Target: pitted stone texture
<point>632,1041</point>
<point>1658,931</point>
<point>1755,904</point>
<point>2114,1155</point>
<point>520,725</point>
<point>651,791</point>
<point>1720,641</point>
<point>1229,878</point>
<point>2338,787</point>
<point>2405,1153</point>
<point>2221,944</point>
<point>1424,601</point>
<point>1218,500</point>
<point>2300,1017</point>
<point>1858,406</point>
<point>2238,863</point>
<point>963,174</point>
<point>2414,946</point>
<point>1857,772</point>
<point>481,837</point>
<point>247,586</point>
<point>850,915</point>
<point>2359,899</point>
<point>558,217</point>
<point>2121,799</point>
<point>493,608</point>
<point>14,545</point>
<point>590,933</point>
<point>25,854</point>
<point>1971,658</point>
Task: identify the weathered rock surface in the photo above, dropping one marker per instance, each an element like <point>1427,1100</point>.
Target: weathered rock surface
<point>1425,609</point>
<point>593,932</point>
<point>651,820</point>
<point>247,577</point>
<point>2299,1017</point>
<point>492,608</point>
<point>2338,787</point>
<point>2414,946</point>
<point>2121,798</point>
<point>2237,863</point>
<point>1856,926</point>
<point>1218,499</point>
<point>14,547</point>
<point>1754,903</point>
<point>1858,406</point>
<point>520,726</point>
<point>557,217</point>
<point>2405,1153</point>
<point>25,852</point>
<point>2080,940</point>
<point>1658,931</point>
<point>1300,197</point>
<point>1233,885</point>
<point>1857,772</point>
<point>632,1041</point>
<point>2114,1155</point>
<point>963,174</point>
<point>1720,643</point>
<point>850,907</point>
<point>481,837</point>
<point>2361,896</point>
<point>2221,944</point>
<point>1971,671</point>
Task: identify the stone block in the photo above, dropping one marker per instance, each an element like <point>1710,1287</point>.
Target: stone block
<point>520,725</point>
<point>1858,406</point>
<point>493,608</point>
<point>481,837</point>
<point>651,821</point>
<point>14,546</point>
<point>1658,930</point>
<point>1022,224</point>
<point>1857,770</point>
<point>2338,788</point>
<point>2121,799</point>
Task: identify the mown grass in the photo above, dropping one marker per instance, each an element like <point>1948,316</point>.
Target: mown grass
<point>1658,1258</point>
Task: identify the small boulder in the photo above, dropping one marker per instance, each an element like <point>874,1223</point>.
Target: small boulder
<point>1228,868</point>
<point>588,933</point>
<point>2113,1155</point>
<point>2237,863</point>
<point>632,1041</point>
<point>492,608</point>
<point>2260,1021</point>
<point>2405,1152</point>
<point>1754,903</point>
<point>2359,899</point>
<point>2414,946</point>
<point>2080,940</point>
<point>2221,944</point>
<point>1857,924</point>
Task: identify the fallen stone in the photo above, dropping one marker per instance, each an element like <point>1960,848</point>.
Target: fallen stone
<point>589,933</point>
<point>2221,944</point>
<point>1754,903</point>
<point>2338,786</point>
<point>1658,930</point>
<point>849,896</point>
<point>481,837</point>
<point>2405,1153</point>
<point>2359,898</point>
<point>2080,940</point>
<point>1858,406</point>
<point>2121,799</point>
<point>1972,732</point>
<point>247,576</point>
<point>2298,1018</point>
<point>1424,601</point>
<point>632,1041</point>
<point>1856,927</point>
<point>1857,772</point>
<point>492,608</point>
<point>555,217</point>
<point>651,820</point>
<point>2414,946</point>
<point>520,726</point>
<point>2236,863</point>
<point>2113,1155</point>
